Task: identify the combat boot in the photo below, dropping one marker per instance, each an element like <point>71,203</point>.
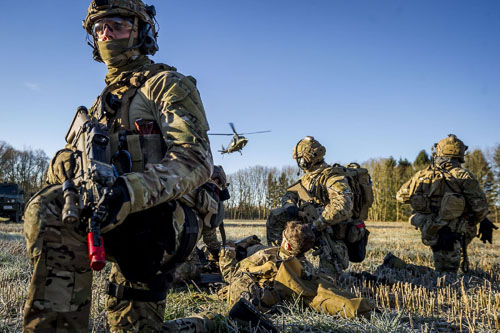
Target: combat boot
<point>391,261</point>
<point>247,315</point>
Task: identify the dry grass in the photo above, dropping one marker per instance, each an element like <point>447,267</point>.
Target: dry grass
<point>429,303</point>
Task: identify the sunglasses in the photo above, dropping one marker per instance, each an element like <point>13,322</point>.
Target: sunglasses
<point>114,24</point>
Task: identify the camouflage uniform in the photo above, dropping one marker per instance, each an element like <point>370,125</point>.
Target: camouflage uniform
<point>330,202</point>
<point>271,275</point>
<point>447,203</point>
<point>59,295</point>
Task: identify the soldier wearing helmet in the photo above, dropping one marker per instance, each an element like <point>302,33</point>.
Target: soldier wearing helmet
<point>156,115</point>
<point>321,197</point>
<point>269,275</point>
<point>447,203</point>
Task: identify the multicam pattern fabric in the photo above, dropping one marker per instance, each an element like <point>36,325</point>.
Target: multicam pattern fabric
<point>129,315</point>
<point>454,179</point>
<point>59,296</point>
<point>209,236</point>
<point>332,196</point>
<point>60,291</point>
<point>265,280</point>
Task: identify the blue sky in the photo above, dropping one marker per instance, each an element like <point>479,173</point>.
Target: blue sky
<point>367,78</point>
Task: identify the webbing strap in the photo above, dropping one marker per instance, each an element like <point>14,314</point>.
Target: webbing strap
<point>133,294</point>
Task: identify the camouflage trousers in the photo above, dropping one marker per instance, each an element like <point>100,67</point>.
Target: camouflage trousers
<point>209,236</point>
<point>448,261</point>
<point>333,256</point>
<point>59,294</point>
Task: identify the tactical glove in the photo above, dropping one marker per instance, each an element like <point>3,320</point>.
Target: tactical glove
<point>292,211</point>
<point>316,232</point>
<point>118,205</point>
<point>320,223</point>
<point>62,167</point>
<point>486,230</point>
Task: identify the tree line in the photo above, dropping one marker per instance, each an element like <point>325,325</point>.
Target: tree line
<point>26,167</point>
<point>258,189</point>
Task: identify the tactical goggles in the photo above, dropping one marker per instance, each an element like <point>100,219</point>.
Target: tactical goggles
<point>114,24</point>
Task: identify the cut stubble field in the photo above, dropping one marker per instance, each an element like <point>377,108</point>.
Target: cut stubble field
<point>407,303</point>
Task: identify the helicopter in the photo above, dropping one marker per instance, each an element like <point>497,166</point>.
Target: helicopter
<point>237,142</point>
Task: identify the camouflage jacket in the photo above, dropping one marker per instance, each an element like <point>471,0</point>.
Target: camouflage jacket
<point>329,191</point>
<point>435,181</point>
<point>180,160</point>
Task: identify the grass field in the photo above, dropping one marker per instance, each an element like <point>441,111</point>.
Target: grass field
<point>430,303</point>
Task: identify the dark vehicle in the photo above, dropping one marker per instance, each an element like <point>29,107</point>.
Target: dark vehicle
<point>11,201</point>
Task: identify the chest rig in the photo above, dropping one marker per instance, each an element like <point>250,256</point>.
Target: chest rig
<point>132,145</point>
<point>147,245</point>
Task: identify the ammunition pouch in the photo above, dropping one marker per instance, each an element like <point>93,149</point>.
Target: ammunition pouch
<point>355,236</point>
<point>452,206</point>
<point>143,148</point>
<point>430,229</point>
<point>207,205</point>
<point>142,242</point>
<point>420,203</point>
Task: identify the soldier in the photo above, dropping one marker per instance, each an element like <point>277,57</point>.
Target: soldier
<point>157,116</point>
<point>218,186</point>
<point>208,201</point>
<point>447,203</point>
<point>323,197</point>
<point>282,273</point>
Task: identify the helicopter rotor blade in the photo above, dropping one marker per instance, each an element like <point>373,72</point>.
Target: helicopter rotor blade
<point>232,127</point>
<point>230,134</point>
<point>255,132</point>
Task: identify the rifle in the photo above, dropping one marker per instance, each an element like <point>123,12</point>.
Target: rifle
<point>86,201</point>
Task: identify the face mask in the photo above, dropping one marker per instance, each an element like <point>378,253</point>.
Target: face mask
<point>303,164</point>
<point>115,53</point>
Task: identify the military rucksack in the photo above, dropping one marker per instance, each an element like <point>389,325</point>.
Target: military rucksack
<point>436,191</point>
<point>361,186</point>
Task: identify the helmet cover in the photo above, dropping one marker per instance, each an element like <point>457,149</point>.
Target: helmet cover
<point>451,146</point>
<point>310,150</point>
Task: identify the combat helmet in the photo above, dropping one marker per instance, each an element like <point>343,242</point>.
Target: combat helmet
<point>142,16</point>
<point>308,152</point>
<point>218,173</point>
<point>451,146</point>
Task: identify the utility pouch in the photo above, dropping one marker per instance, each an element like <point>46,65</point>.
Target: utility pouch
<point>207,206</point>
<point>420,203</point>
<point>418,220</point>
<point>430,230</point>
<point>452,206</point>
<point>339,231</point>
<point>153,148</point>
<point>356,241</point>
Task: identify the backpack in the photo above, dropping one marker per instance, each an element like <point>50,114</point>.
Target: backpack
<point>436,191</point>
<point>361,186</point>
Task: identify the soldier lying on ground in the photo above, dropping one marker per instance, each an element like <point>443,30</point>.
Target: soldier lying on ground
<point>334,199</point>
<point>267,276</point>
<point>282,273</point>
